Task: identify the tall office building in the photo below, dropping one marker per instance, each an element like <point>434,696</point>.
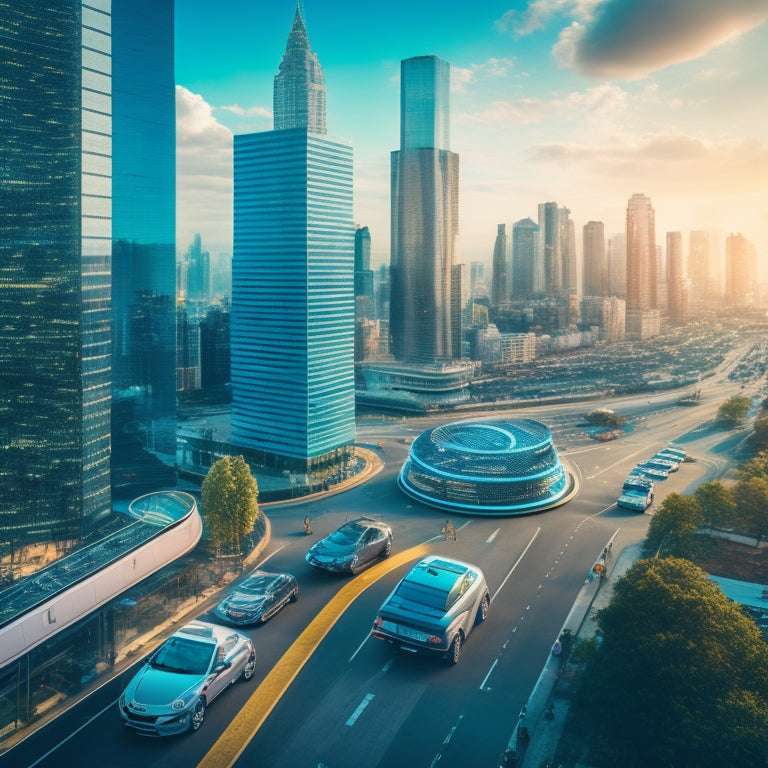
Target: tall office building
<point>144,239</point>
<point>700,268</point>
<point>570,268</point>
<point>525,248</point>
<point>425,206</point>
<point>740,270</point>
<point>677,294</point>
<point>595,271</point>
<point>293,303</point>
<point>55,258</point>
<point>550,247</point>
<point>616,257</point>
<point>641,254</point>
<point>500,278</point>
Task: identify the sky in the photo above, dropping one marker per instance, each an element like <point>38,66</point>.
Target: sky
<point>581,102</point>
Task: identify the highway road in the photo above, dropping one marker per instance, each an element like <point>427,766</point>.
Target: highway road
<point>356,701</point>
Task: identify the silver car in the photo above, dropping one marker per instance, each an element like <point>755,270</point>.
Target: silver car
<point>434,607</point>
<point>258,598</point>
<point>352,546</point>
<point>169,694</point>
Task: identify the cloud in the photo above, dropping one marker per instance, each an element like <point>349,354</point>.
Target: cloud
<point>493,68</point>
<point>601,103</point>
<point>630,38</point>
<point>236,109</point>
<point>672,161</point>
<point>539,13</point>
<point>203,174</point>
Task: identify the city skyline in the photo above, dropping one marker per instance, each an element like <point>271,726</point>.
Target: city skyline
<point>550,101</point>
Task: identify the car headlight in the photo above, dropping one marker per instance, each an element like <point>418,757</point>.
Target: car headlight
<point>179,704</point>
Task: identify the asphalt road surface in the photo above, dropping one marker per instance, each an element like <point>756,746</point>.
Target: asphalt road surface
<point>358,702</point>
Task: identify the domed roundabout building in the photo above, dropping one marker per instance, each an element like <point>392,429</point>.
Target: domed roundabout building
<point>492,467</point>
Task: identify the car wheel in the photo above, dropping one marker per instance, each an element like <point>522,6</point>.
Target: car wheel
<point>294,596</point>
<point>387,551</point>
<point>482,611</point>
<point>198,715</point>
<point>454,652</point>
<point>248,669</point>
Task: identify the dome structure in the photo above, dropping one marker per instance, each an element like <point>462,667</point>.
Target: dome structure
<point>490,467</point>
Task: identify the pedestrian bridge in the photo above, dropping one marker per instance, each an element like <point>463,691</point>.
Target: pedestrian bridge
<point>161,527</point>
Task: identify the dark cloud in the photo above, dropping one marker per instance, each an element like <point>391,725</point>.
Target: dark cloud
<point>630,38</point>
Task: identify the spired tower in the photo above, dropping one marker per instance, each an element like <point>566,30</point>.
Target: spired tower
<point>425,207</point>
<point>293,302</point>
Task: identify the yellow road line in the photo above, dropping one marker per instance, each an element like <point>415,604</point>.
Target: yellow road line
<point>231,744</point>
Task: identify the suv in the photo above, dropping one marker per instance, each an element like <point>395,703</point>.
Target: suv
<point>434,608</point>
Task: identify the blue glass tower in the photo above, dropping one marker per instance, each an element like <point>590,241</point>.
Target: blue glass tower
<point>144,241</point>
<point>293,306</point>
<point>55,265</point>
<point>425,215</point>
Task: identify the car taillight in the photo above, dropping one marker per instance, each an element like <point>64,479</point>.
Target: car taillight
<point>378,622</point>
<point>435,640</point>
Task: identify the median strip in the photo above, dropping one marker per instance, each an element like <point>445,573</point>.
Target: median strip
<point>244,726</point>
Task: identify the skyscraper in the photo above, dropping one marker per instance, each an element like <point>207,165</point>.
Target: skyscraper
<point>700,267</point>
<point>143,234</point>
<point>55,260</point>
<point>616,257</point>
<point>677,295</point>
<point>595,272</point>
<point>740,270</point>
<point>425,206</point>
<point>550,246</point>
<point>641,254</point>
<point>293,304</point>
<point>525,247</point>
<point>500,279</point>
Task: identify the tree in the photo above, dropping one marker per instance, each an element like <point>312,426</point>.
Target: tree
<point>681,676</point>
<point>732,412</point>
<point>760,433</point>
<point>757,466</point>
<point>716,503</point>
<point>751,497</point>
<point>673,526</point>
<point>229,501</point>
<point>604,417</point>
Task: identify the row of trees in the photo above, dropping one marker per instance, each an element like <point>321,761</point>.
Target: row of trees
<point>679,678</point>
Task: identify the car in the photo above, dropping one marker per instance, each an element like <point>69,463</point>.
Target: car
<point>352,546</point>
<point>434,607</point>
<point>171,691</point>
<point>257,598</point>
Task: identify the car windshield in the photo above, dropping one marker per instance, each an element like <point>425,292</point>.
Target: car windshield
<point>256,585</point>
<point>427,596</point>
<point>347,535</point>
<point>184,655</point>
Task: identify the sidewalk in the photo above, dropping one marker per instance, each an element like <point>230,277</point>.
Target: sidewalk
<point>543,729</point>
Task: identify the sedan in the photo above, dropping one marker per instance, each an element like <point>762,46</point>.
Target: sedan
<point>434,607</point>
<point>258,598</point>
<point>170,693</point>
<point>352,547</point>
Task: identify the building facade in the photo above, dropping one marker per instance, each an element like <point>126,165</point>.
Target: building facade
<point>55,259</point>
<point>740,270</point>
<point>293,303</point>
<point>595,271</point>
<point>641,254</point>
<point>143,234</point>
<point>525,247</point>
<point>500,278</point>
<point>425,206</point>
<point>677,293</point>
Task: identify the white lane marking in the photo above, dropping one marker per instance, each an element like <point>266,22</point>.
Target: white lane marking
<point>360,707</point>
<point>359,647</point>
<point>271,555</point>
<point>506,578</point>
<point>72,735</point>
<point>485,680</point>
<point>453,730</point>
<point>492,536</point>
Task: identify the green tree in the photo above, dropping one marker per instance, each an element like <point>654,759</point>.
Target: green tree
<point>751,497</point>
<point>672,528</point>
<point>757,466</point>
<point>229,501</point>
<point>716,503</point>
<point>732,412</point>
<point>604,417</point>
<point>681,677</point>
<point>760,433</point>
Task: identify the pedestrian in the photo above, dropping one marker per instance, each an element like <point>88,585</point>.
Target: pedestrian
<point>449,532</point>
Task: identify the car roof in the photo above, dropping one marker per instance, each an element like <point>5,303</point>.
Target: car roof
<point>203,630</point>
<point>438,572</point>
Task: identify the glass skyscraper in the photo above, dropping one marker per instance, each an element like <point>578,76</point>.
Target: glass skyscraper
<point>293,304</point>
<point>641,254</point>
<point>425,207</point>
<point>55,254</point>
<point>144,237</point>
